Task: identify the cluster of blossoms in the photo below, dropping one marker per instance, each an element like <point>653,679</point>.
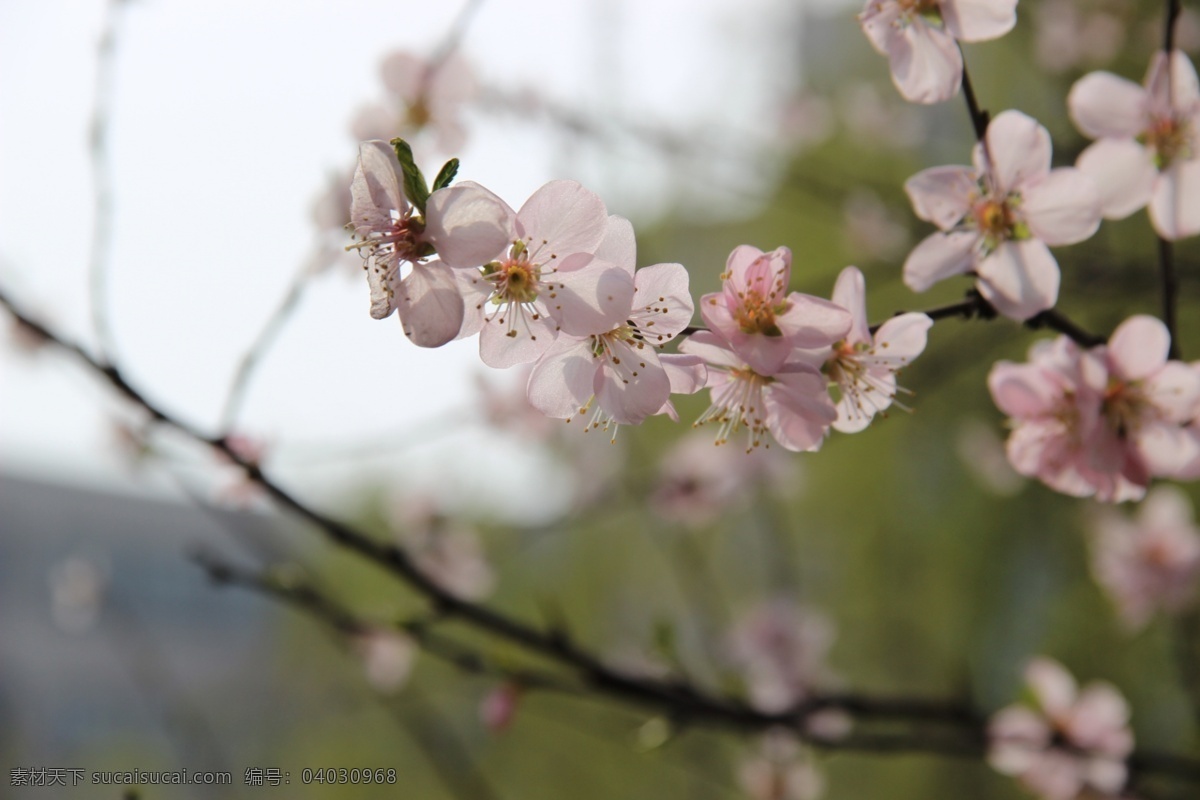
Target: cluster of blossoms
<point>1102,422</point>
<point>555,285</point>
<point>1071,741</point>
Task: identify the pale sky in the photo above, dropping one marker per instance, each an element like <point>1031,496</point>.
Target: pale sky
<point>226,117</point>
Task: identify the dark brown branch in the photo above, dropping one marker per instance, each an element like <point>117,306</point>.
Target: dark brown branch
<point>979,117</point>
<point>959,728</point>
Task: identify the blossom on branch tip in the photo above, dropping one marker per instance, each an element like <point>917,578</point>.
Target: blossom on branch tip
<point>997,218</point>
<point>920,39</point>
<point>464,224</point>
<point>1071,741</point>
<point>779,648</point>
<point>1147,148</point>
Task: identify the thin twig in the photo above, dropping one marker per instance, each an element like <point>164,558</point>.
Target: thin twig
<point>102,190</point>
<point>979,117</point>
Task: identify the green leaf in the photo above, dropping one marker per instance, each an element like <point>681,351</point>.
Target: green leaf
<point>414,182</point>
<point>446,175</point>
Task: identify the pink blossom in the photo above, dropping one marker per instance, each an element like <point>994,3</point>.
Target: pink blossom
<point>551,276</point>
<point>1071,741</point>
<point>792,403</point>
<point>920,39</point>
<point>1148,146</point>
<point>762,322</point>
<point>1100,422</point>
<point>1152,563</point>
<point>697,482</point>
<point>424,97</point>
<point>499,707</point>
<point>620,370</point>
<point>780,769</point>
<point>445,550</point>
<point>997,219</point>
<point>863,365</point>
<point>780,648</point>
<point>466,224</point>
<point>388,658</point>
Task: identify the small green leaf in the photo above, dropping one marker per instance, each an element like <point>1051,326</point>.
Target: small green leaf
<point>414,182</point>
<point>446,175</point>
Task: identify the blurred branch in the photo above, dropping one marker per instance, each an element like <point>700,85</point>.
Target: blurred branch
<point>979,117</point>
<point>682,701</point>
<point>102,194</point>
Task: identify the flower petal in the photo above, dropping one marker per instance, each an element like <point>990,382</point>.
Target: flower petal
<point>592,296</point>
<point>978,20</point>
<point>942,195</point>
<point>926,63</point>
<point>619,245</point>
<point>1105,105</point>
<point>560,383</point>
<point>1063,208</point>
<point>383,278</point>
<point>850,292</point>
<point>631,385</point>
<point>1020,278</point>
<point>899,340</point>
<point>430,305</point>
<point>1138,347</point>
<point>564,218</point>
<point>377,189</point>
<point>940,256</point>
<point>1123,172</point>
<point>1172,85</point>
<point>468,225</point>
<point>712,348</point>
<point>1175,202</point>
<point>1019,149</point>
<point>662,303</point>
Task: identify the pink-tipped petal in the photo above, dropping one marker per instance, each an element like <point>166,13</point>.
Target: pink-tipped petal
<point>431,308</point>
<point>1063,208</point>
<point>940,256</point>
<point>1020,278</point>
<point>799,410</point>
<point>850,292</point>
<point>1103,105</point>
<point>942,195</point>
<point>1123,172</point>
<point>1023,391</point>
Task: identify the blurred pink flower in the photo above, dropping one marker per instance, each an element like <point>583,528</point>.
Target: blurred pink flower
<point>387,657</point>
<point>697,482</point>
<point>920,39</point>
<point>1104,421</point>
<point>780,649</point>
<point>1148,147</point>
<point>1152,563</point>
<point>780,769</point>
<point>1071,741</point>
<point>997,218</point>
<point>445,550</point>
<point>424,97</point>
<point>499,707</point>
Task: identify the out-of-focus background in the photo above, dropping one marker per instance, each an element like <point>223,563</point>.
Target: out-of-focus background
<point>208,135</point>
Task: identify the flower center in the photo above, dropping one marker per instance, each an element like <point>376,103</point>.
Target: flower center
<point>516,278</point>
<point>755,314</point>
<point>1170,138</point>
<point>1123,407</point>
